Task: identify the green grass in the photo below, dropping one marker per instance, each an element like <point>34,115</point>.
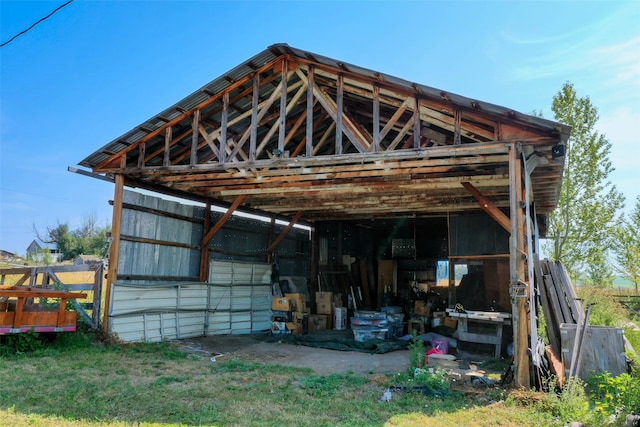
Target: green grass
<point>80,382</point>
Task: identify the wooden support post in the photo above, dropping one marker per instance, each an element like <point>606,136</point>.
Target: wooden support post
<point>309,142</point>
<point>516,267</point>
<point>222,156</point>
<point>204,250</point>
<point>254,117</point>
<point>376,118</point>
<point>141,154</point>
<point>339,108</point>
<point>114,248</point>
<point>457,140</point>
<point>284,233</point>
<point>195,137</point>
<point>283,108</point>
<point>167,146</point>
<point>416,125</point>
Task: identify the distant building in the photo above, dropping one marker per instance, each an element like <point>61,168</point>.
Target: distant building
<point>36,252</point>
<point>6,256</point>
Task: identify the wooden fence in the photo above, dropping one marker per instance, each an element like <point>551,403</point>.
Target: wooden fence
<point>50,277</point>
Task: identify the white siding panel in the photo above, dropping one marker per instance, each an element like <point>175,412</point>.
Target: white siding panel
<point>238,303</point>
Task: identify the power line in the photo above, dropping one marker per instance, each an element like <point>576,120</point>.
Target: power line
<point>34,24</point>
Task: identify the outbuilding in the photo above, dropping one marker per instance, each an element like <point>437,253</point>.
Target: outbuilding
<point>352,169</point>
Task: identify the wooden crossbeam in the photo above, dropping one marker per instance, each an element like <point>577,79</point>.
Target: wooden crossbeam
<point>488,206</point>
<point>284,232</point>
<point>209,235</point>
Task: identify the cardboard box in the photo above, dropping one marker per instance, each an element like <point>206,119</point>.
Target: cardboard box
<point>317,322</point>
<point>298,302</point>
<point>324,297</point>
<point>421,308</point>
<point>340,318</point>
<point>281,316</point>
<point>281,304</point>
<point>301,322</point>
<point>325,308</point>
<point>450,322</point>
<point>337,300</point>
<point>281,327</point>
<point>416,326</point>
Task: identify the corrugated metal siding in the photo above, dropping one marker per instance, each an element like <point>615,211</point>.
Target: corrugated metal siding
<point>137,258</point>
<point>158,295</point>
<point>178,311</point>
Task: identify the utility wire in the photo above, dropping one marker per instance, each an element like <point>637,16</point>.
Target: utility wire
<point>34,24</point>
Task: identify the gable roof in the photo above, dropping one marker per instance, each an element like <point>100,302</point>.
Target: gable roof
<point>375,145</point>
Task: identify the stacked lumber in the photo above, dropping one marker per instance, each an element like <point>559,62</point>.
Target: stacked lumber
<point>558,298</point>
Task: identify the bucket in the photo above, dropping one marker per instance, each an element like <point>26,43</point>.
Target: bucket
<point>440,343</point>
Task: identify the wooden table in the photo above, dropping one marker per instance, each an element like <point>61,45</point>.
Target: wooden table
<point>494,318</point>
<point>25,316</point>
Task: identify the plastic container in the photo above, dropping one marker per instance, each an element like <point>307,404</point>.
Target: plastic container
<point>391,310</point>
<point>395,330</point>
<point>366,333</point>
<point>440,343</point>
<point>340,318</point>
<point>369,314</point>
<point>368,321</point>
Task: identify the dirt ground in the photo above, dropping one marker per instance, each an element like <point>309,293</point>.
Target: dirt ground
<point>255,348</point>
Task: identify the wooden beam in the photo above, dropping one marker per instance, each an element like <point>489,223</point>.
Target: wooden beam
<point>284,232</point>
<point>394,119</point>
<point>416,125</point>
<point>204,250</point>
<point>283,107</point>
<point>222,157</point>
<point>310,103</point>
<point>276,125</point>
<point>167,146</point>
<point>358,140</point>
<point>263,107</point>
<point>516,267</point>
<point>376,118</point>
<point>457,123</point>
<point>141,153</point>
<point>254,117</point>
<point>209,235</point>
<point>194,138</point>
<point>114,248</point>
<point>339,113</point>
<point>488,206</point>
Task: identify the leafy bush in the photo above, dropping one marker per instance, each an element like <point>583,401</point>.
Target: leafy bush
<point>416,353</point>
<point>20,343</point>
<point>606,311</point>
<point>615,395</point>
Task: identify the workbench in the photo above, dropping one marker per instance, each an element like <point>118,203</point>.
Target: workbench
<point>493,319</point>
<point>18,315</point>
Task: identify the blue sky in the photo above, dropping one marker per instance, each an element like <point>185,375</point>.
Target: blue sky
<point>96,69</point>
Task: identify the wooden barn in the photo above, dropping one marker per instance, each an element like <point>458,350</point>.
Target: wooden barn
<point>354,170</point>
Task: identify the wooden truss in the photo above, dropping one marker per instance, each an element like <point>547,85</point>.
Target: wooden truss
<point>298,135</point>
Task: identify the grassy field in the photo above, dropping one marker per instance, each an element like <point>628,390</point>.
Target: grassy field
<point>76,381</point>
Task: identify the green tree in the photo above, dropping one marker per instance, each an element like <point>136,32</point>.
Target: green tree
<point>46,257</point>
<point>626,246</point>
<point>88,239</point>
<point>581,227</point>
